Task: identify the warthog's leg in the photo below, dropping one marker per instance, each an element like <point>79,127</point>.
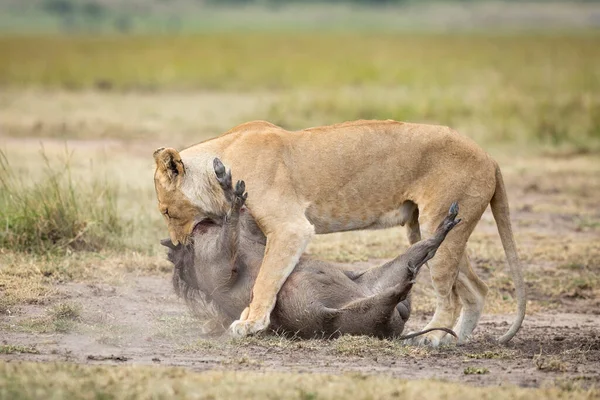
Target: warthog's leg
<point>394,281</point>
<point>375,311</point>
<point>237,197</point>
<point>407,265</point>
<point>424,250</point>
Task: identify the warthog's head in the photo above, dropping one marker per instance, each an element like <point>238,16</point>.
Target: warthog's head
<point>213,272</point>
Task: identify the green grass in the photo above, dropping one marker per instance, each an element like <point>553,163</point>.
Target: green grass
<point>302,60</point>
<point>29,381</point>
<point>17,349</point>
<point>476,371</point>
<point>59,318</point>
<point>559,119</point>
<point>56,213</point>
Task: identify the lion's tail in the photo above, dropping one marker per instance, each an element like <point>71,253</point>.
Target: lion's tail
<point>499,205</point>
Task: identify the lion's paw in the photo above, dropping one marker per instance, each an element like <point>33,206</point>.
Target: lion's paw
<point>450,340</point>
<point>426,340</point>
<point>239,329</point>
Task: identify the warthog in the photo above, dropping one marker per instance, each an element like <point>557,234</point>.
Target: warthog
<point>220,264</point>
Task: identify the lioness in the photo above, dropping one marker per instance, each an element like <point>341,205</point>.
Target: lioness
<point>217,268</point>
<point>354,175</point>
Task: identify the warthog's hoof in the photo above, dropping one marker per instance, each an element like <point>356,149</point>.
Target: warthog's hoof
<point>453,212</point>
<point>450,221</point>
<point>223,176</point>
<point>239,197</point>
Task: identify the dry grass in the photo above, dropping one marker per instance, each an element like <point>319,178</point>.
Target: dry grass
<point>109,118</point>
<point>12,349</point>
<point>26,380</point>
<point>60,318</point>
<point>57,214</point>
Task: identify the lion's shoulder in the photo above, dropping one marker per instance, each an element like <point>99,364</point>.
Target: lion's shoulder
<point>253,126</point>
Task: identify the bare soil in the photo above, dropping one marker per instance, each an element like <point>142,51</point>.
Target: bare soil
<point>143,322</point>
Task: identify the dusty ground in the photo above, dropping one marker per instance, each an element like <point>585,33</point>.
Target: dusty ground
<point>153,327</point>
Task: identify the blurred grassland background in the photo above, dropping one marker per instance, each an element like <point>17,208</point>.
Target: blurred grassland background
<point>514,88</point>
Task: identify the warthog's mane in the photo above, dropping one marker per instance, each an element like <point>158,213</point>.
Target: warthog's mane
<point>186,287</point>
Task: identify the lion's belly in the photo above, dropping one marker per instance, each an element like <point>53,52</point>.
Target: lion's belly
<point>327,219</point>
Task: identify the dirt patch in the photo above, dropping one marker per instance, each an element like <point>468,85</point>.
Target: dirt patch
<point>144,323</point>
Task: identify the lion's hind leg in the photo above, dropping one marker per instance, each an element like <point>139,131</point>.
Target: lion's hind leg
<point>444,270</point>
<point>413,229</point>
<point>472,292</point>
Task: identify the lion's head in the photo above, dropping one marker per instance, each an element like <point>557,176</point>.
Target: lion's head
<point>187,191</point>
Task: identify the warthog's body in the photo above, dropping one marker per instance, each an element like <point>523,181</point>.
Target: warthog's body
<point>223,260</point>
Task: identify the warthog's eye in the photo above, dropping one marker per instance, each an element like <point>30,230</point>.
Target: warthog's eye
<point>203,226</point>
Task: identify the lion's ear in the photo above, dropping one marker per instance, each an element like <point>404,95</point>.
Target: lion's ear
<point>169,161</point>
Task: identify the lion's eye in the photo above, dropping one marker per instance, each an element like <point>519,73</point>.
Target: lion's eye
<point>170,216</point>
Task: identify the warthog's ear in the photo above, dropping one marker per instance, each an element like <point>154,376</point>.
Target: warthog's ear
<point>169,162</point>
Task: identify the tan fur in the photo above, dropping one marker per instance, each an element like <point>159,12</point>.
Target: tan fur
<point>354,175</point>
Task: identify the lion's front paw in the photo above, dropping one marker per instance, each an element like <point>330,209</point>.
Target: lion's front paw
<point>248,327</point>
